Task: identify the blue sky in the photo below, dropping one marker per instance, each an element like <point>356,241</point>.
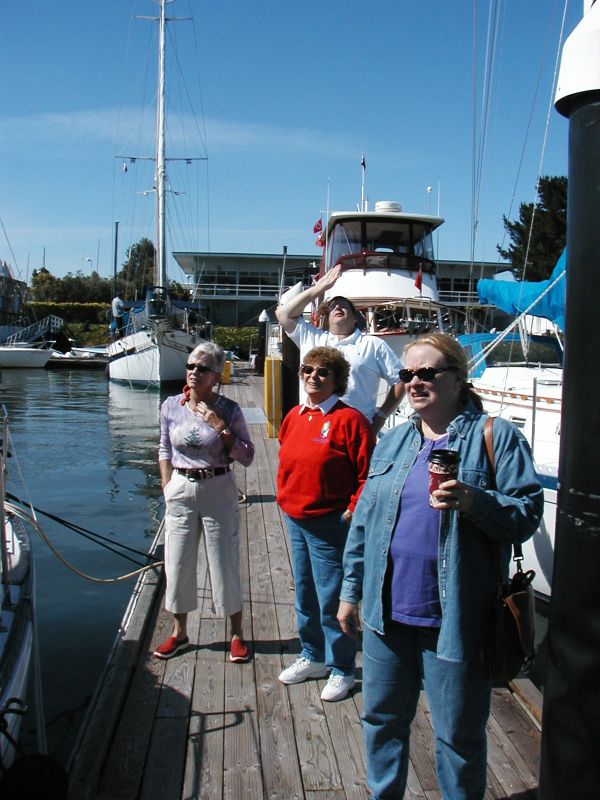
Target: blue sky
<point>288,98</point>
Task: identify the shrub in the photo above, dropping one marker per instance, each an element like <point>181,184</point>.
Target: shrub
<point>92,313</point>
<point>236,339</point>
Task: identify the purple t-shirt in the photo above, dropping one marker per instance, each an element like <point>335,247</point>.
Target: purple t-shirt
<point>412,577</point>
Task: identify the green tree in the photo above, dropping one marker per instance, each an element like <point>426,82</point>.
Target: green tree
<point>178,291</point>
<point>43,285</point>
<point>77,288</point>
<point>137,271</point>
<point>548,234</point>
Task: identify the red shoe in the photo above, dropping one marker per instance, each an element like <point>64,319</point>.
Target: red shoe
<point>239,650</point>
<point>170,647</point>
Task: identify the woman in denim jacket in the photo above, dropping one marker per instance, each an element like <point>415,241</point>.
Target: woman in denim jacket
<point>425,573</point>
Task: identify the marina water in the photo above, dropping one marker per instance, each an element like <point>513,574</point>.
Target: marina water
<point>87,451</point>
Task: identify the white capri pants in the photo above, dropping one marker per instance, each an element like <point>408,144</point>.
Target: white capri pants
<point>191,507</point>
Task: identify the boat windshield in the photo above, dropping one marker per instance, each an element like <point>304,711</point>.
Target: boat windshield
<point>510,353</point>
<point>158,303</point>
<point>402,240</point>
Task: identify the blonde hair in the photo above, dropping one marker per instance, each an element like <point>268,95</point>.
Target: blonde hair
<point>455,357</point>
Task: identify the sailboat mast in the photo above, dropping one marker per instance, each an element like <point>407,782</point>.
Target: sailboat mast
<point>160,267</point>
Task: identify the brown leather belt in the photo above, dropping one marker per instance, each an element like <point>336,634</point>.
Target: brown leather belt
<point>202,474</point>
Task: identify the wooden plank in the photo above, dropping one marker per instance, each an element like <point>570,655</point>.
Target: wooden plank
<point>164,769</point>
<point>347,743</point>
<point>203,776</point>
<point>279,754</point>
<point>242,775</point>
<point>529,696</point>
<point>123,772</point>
<point>318,762</point>
<point>241,764</point>
<point>103,715</point>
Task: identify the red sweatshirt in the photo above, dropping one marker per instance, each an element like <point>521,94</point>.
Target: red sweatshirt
<point>323,460</point>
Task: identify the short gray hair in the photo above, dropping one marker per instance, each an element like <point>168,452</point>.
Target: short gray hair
<point>214,351</point>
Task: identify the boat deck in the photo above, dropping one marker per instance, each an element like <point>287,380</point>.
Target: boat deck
<point>198,726</point>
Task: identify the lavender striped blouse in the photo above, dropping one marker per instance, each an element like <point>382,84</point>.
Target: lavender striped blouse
<point>190,443</point>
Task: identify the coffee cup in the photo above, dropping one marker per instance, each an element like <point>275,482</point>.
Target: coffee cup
<point>443,466</point>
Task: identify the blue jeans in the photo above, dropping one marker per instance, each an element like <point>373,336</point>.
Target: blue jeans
<point>317,549</point>
<point>459,698</point>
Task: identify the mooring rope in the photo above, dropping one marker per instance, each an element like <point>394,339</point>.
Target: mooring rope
<point>20,514</point>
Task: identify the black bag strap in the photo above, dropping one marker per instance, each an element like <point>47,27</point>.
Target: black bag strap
<point>488,438</point>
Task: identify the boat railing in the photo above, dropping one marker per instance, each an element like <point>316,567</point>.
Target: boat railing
<point>50,324</point>
<point>452,297</point>
<point>3,542</point>
<point>534,404</point>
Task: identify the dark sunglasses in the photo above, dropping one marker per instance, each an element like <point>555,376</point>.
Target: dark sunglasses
<point>424,374</point>
<point>337,302</point>
<point>199,368</point>
<point>322,372</point>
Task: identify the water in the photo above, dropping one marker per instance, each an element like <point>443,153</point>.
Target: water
<point>87,451</point>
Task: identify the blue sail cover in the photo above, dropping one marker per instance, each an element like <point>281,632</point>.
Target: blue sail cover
<point>515,297</point>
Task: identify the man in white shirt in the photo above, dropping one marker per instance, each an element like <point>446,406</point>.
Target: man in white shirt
<point>118,309</point>
<point>370,358</point>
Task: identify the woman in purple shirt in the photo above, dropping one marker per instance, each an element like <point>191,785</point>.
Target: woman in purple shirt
<point>201,434</point>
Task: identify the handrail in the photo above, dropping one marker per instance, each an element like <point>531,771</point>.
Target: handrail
<point>3,543</point>
<point>232,288</point>
<point>49,324</point>
<point>204,288</point>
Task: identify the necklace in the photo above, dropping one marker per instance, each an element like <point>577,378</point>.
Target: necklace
<point>311,411</point>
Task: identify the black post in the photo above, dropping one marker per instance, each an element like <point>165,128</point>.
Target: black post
<point>259,364</point>
<point>290,391</point>
<point>570,766</point>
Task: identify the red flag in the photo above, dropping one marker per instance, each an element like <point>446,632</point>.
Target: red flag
<point>320,242</point>
<point>419,279</point>
<point>318,226</point>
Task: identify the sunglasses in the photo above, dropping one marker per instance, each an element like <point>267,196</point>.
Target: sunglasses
<point>335,303</point>
<point>424,374</point>
<point>199,368</point>
<point>322,372</point>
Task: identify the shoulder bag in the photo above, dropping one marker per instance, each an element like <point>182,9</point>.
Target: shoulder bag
<point>511,632</point>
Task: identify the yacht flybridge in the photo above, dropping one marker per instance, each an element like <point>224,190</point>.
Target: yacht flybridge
<point>388,263</point>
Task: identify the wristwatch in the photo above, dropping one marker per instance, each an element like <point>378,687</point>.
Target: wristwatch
<point>380,413</point>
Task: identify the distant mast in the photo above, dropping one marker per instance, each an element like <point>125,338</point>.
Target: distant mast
<point>160,268</point>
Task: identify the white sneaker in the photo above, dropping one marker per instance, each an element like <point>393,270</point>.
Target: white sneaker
<point>337,687</point>
<point>302,669</point>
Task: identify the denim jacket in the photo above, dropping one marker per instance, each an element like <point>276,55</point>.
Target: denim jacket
<point>507,510</point>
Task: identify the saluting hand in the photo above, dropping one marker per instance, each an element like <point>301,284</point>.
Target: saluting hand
<point>327,281</point>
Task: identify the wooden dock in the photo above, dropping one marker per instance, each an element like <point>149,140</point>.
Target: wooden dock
<point>199,726</point>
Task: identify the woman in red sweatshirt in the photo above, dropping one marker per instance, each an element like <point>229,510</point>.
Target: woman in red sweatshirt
<point>323,464</point>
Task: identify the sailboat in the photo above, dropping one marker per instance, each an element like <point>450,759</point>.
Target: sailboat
<point>159,336</point>
<point>17,581</point>
<point>519,377</point>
